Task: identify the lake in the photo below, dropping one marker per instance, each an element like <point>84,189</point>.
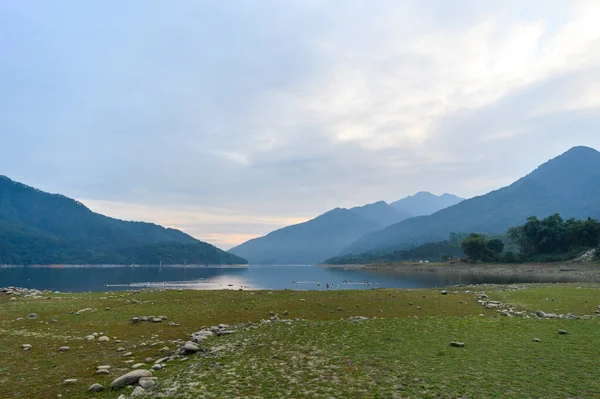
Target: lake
<point>111,278</point>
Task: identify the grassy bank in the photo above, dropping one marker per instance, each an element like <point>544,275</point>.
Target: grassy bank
<point>403,350</point>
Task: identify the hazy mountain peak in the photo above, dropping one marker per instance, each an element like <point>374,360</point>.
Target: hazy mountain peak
<point>425,203</point>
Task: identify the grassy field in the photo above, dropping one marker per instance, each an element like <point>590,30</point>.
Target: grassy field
<point>402,351</point>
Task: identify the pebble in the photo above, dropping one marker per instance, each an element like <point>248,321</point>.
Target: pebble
<point>444,292</point>
<point>90,337</point>
<point>120,349</point>
<point>96,388</point>
<point>103,339</point>
<point>156,367</point>
<point>562,332</point>
<point>64,348</point>
<point>102,372</point>
<point>130,378</point>
<point>26,347</point>
<point>128,354</point>
<point>537,340</point>
<point>70,381</point>
<point>457,344</point>
<point>103,367</point>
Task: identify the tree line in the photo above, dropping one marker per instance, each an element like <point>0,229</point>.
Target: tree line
<point>550,239</point>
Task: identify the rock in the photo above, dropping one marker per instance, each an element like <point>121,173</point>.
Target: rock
<point>149,360</point>
<point>418,308</point>
<point>156,320</point>
<point>128,354</point>
<point>138,365</point>
<point>147,384</point>
<point>95,335</point>
<point>96,388</point>
<point>156,367</point>
<point>135,320</point>
<point>190,348</point>
<point>107,308</point>
<point>138,392</point>
<point>53,320</point>
<point>102,372</point>
<point>90,337</point>
<point>164,349</point>
<point>130,378</point>
<point>540,313</point>
<point>70,381</point>
<point>457,344</point>
<point>134,301</point>
<point>562,332</point>
<point>104,338</point>
<point>444,292</point>
<point>225,332</point>
<point>33,316</point>
<point>162,360</point>
<point>122,397</point>
<point>537,340</point>
<point>162,317</point>
<point>64,348</point>
<point>120,349</point>
<point>26,347</point>
<point>410,303</point>
<point>492,305</point>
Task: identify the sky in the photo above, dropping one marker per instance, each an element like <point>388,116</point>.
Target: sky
<point>231,118</point>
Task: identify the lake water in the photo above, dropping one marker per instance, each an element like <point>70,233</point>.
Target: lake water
<point>93,278</point>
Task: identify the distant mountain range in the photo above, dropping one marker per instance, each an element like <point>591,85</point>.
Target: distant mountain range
<point>330,233</point>
<point>568,184</point>
<point>41,228</point>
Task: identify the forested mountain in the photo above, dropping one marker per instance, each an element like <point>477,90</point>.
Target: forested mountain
<point>568,184</point>
<point>41,228</point>
<point>309,242</point>
<point>320,238</point>
<point>425,203</point>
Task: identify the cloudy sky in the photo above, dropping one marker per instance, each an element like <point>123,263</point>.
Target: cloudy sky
<point>231,118</point>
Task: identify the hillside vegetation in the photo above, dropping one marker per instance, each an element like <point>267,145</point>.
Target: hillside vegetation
<point>42,228</point>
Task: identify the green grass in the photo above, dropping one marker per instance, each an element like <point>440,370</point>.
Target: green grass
<point>403,353</point>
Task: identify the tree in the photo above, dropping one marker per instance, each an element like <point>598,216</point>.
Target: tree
<point>475,246</point>
<point>496,245</point>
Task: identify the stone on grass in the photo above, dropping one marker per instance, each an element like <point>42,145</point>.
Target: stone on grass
<point>156,367</point>
<point>102,372</point>
<point>147,384</point>
<point>128,354</point>
<point>457,344</point>
<point>537,340</point>
<point>96,388</point>
<point>138,365</point>
<point>64,348</point>
<point>33,315</point>
<point>130,378</point>
<point>53,320</point>
<point>26,347</point>
<point>138,392</point>
<point>103,339</point>
<point>70,381</point>
<point>190,348</point>
<point>135,320</point>
<point>562,332</point>
<point>120,349</point>
<point>90,337</point>
<point>444,292</point>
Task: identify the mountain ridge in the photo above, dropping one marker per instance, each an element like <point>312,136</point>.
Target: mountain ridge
<point>41,228</point>
<point>568,184</point>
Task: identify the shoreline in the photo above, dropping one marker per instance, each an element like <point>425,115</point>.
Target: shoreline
<point>572,270</point>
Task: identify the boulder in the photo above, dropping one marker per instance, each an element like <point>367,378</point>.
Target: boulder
<point>130,378</point>
<point>138,392</point>
<point>96,388</point>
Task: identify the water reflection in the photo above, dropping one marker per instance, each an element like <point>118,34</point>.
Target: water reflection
<point>91,278</point>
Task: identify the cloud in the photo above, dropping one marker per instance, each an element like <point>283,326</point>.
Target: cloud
<point>251,115</point>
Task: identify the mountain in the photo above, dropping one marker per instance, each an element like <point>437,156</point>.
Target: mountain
<point>568,184</point>
<point>41,228</point>
<point>425,203</point>
<point>312,241</point>
<point>381,213</point>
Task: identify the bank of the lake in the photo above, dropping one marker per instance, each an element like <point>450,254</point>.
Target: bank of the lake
<point>575,271</point>
<point>304,344</point>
